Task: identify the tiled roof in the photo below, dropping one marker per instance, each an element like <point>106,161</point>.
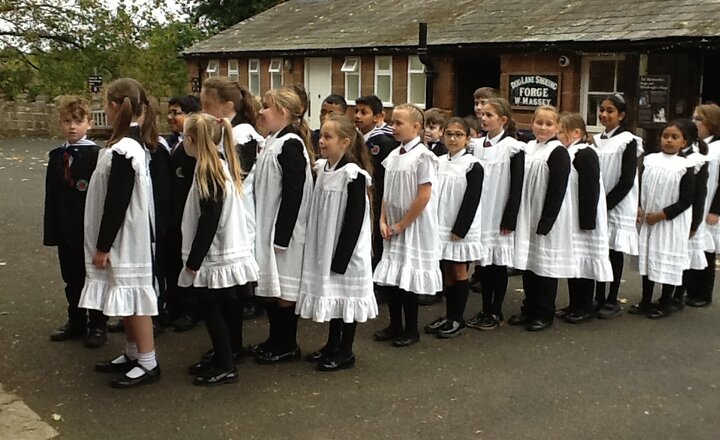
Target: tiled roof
<point>308,25</point>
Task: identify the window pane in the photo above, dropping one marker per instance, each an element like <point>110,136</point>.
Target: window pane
<point>254,85</point>
<point>594,102</point>
<point>275,80</point>
<point>416,65</point>
<point>622,83</point>
<point>383,63</point>
<point>352,88</point>
<point>417,88</point>
<point>254,65</point>
<point>382,84</point>
<point>602,76</point>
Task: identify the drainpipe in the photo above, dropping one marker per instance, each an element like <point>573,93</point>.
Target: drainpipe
<point>430,73</point>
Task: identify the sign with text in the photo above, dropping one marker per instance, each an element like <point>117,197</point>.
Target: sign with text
<point>196,85</point>
<point>95,82</point>
<point>528,91</point>
<point>653,100</point>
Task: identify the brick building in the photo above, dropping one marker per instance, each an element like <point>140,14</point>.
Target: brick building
<point>663,55</point>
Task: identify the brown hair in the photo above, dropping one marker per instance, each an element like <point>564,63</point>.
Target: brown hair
<point>287,99</point>
<point>486,93</point>
<point>435,116</point>
<point>76,107</point>
<point>573,121</point>
<point>502,108</point>
<point>228,90</point>
<point>134,102</point>
<point>710,114</point>
<point>463,122</point>
<point>207,132</point>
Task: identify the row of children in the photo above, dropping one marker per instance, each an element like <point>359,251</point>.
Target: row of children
<point>315,235</point>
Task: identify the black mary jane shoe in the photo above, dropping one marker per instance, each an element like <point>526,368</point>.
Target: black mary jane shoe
<point>95,338</point>
<point>68,332</point>
<point>659,313</point>
<point>148,376</point>
<point>406,339</point>
<point>216,376</point>
<point>272,357</point>
<point>559,313</point>
<point>537,325</point>
<point>639,309</point>
<point>320,355</point>
<point>519,319</point>
<point>386,334</point>
<point>578,317</point>
<point>337,361</point>
<point>110,367</point>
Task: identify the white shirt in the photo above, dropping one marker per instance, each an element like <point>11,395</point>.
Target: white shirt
<point>610,133</point>
<point>496,139</point>
<point>425,172</point>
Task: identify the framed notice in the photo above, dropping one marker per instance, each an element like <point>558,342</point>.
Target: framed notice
<point>531,90</point>
<point>95,82</point>
<point>653,100</point>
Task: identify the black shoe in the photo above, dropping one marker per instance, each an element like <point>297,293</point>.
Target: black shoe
<point>68,332</point>
<point>272,357</point>
<point>386,334</point>
<point>697,302</point>
<point>207,361</point>
<point>609,311</point>
<point>337,361</point>
<point>320,355</point>
<point>490,322</point>
<point>434,326</point>
<point>428,300</point>
<point>96,338</point>
<point>110,367</point>
<point>520,319</point>
<point>475,321</point>
<point>450,329</point>
<point>537,325</point>
<point>149,376</point>
<point>406,339</point>
<point>659,312</point>
<point>578,317</point>
<point>216,376</point>
<point>559,313</point>
<point>258,349</point>
<point>640,309</point>
<point>184,323</point>
<point>116,327</point>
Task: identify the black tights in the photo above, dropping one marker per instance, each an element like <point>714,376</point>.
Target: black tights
<point>493,285</point>
<point>341,336</point>
<point>222,311</point>
<point>456,297</point>
<point>581,295</point>
<point>699,283</point>
<point>283,327</point>
<point>617,260</point>
<point>647,293</point>
<point>398,301</point>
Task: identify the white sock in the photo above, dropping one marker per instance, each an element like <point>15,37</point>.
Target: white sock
<point>147,360</point>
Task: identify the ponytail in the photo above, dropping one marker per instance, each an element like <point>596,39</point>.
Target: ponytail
<point>149,129</point>
<point>233,160</point>
<point>573,121</point>
<point>121,124</point>
<point>132,100</point>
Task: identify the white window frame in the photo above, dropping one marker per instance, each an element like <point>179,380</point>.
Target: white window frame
<point>275,68</point>
<point>412,72</point>
<point>233,69</point>
<point>254,72</point>
<point>389,73</point>
<point>352,67</point>
<point>213,68</point>
<point>595,126</point>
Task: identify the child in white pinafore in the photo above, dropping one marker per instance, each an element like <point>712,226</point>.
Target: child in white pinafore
<point>119,221</point>
<point>618,150</point>
<point>216,248</point>
<point>408,223</point>
<point>460,183</point>
<point>543,238</point>
<point>668,184</point>
<point>283,189</point>
<point>503,160</point>
<point>337,283</point>
<point>590,236</point>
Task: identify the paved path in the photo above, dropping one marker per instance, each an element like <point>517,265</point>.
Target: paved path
<point>624,379</point>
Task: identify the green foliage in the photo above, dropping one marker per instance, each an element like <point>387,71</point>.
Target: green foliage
<point>52,46</point>
<point>218,15</point>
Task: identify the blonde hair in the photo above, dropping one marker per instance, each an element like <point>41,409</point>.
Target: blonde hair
<point>287,98</point>
<point>547,108</point>
<point>711,117</point>
<point>573,121</point>
<point>416,115</point>
<point>206,132</point>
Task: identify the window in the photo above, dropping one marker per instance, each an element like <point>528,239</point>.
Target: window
<point>383,80</point>
<point>254,76</point>
<point>233,69</point>
<point>213,68</point>
<point>416,82</point>
<point>275,71</point>
<point>351,69</point>
<point>601,76</point>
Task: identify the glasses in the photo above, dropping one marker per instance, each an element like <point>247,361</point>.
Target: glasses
<point>175,113</point>
<point>455,134</point>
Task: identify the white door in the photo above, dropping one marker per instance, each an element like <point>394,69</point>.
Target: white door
<point>318,83</point>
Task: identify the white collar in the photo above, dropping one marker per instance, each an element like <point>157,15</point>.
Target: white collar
<point>497,138</point>
<point>611,133</point>
<point>410,145</point>
<point>457,155</point>
<point>708,139</point>
<point>331,168</point>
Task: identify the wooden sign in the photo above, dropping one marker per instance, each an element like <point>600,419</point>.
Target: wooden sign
<point>653,100</point>
<point>528,91</point>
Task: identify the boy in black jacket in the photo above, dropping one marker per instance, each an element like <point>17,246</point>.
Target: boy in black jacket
<point>69,170</point>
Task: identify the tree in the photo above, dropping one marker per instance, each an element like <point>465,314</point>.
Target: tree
<point>217,15</point>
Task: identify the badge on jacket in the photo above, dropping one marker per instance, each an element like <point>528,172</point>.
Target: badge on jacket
<point>179,173</point>
<point>375,150</point>
<point>81,185</point>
